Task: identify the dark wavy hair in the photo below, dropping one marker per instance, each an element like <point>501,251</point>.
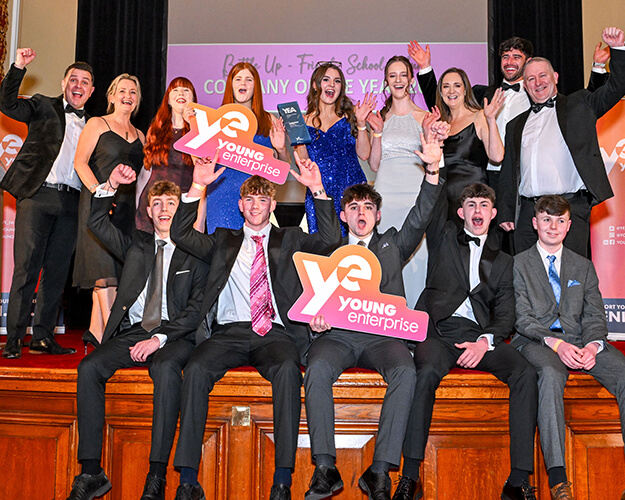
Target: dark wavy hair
<point>469,98</point>
<point>389,100</point>
<point>361,192</point>
<point>160,134</point>
<point>343,106</point>
<point>516,42</point>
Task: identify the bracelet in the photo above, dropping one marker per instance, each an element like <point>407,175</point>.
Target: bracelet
<point>598,65</point>
<point>376,134</point>
<point>319,193</point>
<point>198,186</point>
<point>432,172</point>
<point>555,346</point>
<point>362,129</point>
<point>93,186</point>
<point>110,185</point>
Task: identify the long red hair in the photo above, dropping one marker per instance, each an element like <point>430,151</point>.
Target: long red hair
<point>160,134</point>
<point>264,118</point>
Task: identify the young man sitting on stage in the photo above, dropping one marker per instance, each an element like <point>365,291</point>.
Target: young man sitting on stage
<point>336,350</point>
<point>561,326</point>
<point>470,299</point>
<point>153,322</point>
<point>252,284</point>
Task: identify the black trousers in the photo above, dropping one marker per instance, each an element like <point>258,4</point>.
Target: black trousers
<point>276,358</point>
<point>166,367</point>
<point>578,237</point>
<point>437,355</point>
<point>45,239</point>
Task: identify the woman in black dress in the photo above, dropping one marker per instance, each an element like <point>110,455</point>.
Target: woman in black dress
<point>106,142</point>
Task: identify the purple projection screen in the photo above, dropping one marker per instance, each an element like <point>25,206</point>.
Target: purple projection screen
<point>285,69</point>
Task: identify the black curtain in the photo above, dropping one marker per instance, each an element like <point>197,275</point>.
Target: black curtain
<point>553,26</point>
<point>124,36</point>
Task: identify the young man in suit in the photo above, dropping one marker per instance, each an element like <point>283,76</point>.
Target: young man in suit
<point>470,300</point>
<point>336,350</point>
<point>561,326</point>
<point>552,148</point>
<point>252,284</point>
<point>46,187</point>
<point>152,323</point>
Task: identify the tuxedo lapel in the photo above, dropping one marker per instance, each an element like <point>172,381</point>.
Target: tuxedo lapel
<point>487,259</point>
<point>561,114</point>
<point>461,259</point>
<point>60,111</point>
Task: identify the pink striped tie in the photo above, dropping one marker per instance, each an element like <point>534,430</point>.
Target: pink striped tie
<point>261,307</point>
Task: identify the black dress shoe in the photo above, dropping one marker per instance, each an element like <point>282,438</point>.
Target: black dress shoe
<point>13,349</point>
<point>408,489</point>
<point>48,345</point>
<point>154,488</point>
<point>523,492</point>
<point>377,485</point>
<point>324,482</point>
<point>187,491</point>
<point>88,486</point>
<point>280,492</point>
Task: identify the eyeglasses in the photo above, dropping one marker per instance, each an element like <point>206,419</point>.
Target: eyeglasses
<point>338,64</point>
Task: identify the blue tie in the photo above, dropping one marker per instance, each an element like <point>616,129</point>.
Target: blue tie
<point>554,281</point>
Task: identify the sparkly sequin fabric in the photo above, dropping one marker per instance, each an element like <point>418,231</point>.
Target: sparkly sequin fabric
<point>222,208</point>
<point>335,153</point>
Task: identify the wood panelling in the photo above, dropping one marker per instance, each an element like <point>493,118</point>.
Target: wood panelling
<point>466,457</point>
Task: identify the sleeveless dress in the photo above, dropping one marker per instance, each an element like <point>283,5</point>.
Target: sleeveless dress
<point>335,153</point>
<point>93,261</point>
<point>176,171</point>
<point>223,195</point>
<point>465,163</point>
<point>398,180</point>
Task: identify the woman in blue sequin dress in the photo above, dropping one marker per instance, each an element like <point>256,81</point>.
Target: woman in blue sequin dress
<point>243,86</point>
<point>339,136</point>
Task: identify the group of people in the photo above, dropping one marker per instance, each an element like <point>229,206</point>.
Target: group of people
<point>196,280</point>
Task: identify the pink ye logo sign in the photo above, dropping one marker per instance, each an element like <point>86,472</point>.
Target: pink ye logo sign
<point>345,289</point>
<point>231,129</point>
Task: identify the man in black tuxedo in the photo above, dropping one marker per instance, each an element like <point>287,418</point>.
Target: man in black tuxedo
<point>336,350</point>
<point>470,300</point>
<point>153,322</point>
<point>513,54</point>
<point>552,148</point>
<point>251,286</point>
<point>46,187</point>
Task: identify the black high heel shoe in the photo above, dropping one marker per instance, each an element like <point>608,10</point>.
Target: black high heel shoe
<point>89,338</point>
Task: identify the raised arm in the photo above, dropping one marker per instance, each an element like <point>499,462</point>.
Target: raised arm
<point>362,110</point>
<point>377,126</point>
<point>425,76</point>
<point>487,129</point>
<point>277,134</point>
<point>19,109</point>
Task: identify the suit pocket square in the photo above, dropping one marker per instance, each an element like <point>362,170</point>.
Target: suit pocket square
<point>573,283</point>
<point>188,271</point>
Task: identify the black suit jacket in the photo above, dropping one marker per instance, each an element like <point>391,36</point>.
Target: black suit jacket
<point>221,248</point>
<point>447,284</point>
<point>577,116</point>
<point>45,118</point>
<point>394,247</point>
<point>186,279</point>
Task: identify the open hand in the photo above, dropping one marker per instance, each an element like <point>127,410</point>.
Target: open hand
<point>364,107</point>
<point>419,55</point>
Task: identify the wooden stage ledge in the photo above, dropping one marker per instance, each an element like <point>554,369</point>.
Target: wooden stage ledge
<point>467,454</point>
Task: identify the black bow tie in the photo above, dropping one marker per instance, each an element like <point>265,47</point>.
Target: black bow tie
<point>71,109</point>
<point>468,238</point>
<point>549,103</point>
<point>515,86</point>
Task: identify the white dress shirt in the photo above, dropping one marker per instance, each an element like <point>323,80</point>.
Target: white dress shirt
<point>62,171</point>
<point>547,166</point>
<point>234,301</point>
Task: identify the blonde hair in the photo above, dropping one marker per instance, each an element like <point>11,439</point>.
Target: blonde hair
<point>113,88</point>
